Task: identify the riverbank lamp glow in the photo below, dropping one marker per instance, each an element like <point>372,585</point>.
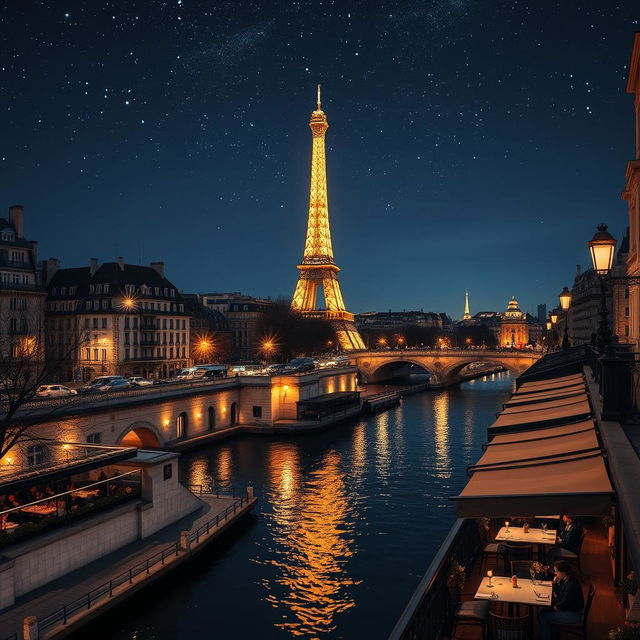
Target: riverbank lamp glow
<point>553,316</point>
<point>602,247</point>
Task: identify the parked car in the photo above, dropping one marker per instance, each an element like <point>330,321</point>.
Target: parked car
<point>274,369</point>
<point>97,382</point>
<point>139,381</point>
<point>55,391</point>
<point>298,365</point>
<point>215,372</point>
<point>120,384</point>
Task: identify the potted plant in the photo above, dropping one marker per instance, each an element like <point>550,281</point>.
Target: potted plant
<point>457,575</point>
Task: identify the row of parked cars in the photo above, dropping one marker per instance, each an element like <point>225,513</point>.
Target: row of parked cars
<point>101,383</point>
<point>199,372</point>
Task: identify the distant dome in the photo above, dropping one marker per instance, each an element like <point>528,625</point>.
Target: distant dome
<point>513,310</point>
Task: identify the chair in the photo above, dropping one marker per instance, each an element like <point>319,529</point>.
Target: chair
<point>509,628</point>
<point>518,552</point>
<point>471,612</point>
<point>521,568</point>
<point>467,612</point>
<point>490,550</point>
<point>559,553</point>
<point>579,629</point>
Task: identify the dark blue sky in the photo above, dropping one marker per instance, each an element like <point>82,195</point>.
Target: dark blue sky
<point>471,143</point>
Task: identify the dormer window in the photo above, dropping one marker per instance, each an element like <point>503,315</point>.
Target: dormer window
<point>173,293</point>
<point>63,291</point>
<point>72,291</point>
<point>106,288</point>
<point>8,236</point>
<point>129,289</point>
<point>91,288</point>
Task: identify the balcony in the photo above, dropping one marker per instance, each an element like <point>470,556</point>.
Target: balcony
<point>429,614</point>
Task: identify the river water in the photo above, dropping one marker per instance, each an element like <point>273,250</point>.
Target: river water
<point>347,523</point>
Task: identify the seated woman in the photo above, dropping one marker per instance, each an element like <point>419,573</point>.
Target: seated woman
<point>568,601</point>
<point>569,537</point>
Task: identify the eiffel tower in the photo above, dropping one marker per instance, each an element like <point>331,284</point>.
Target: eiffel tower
<point>318,267</point>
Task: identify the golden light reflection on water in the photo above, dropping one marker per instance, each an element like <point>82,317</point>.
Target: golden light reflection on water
<point>359,450</point>
<point>313,538</point>
<point>382,444</point>
<point>224,465</point>
<point>199,472</point>
<point>441,416</point>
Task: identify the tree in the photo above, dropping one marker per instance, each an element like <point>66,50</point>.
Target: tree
<point>292,334</point>
<point>25,367</point>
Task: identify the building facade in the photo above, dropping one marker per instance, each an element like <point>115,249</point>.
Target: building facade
<point>514,326</point>
<point>22,293</point>
<point>631,195</point>
<point>209,334</point>
<point>115,318</point>
<point>243,313</point>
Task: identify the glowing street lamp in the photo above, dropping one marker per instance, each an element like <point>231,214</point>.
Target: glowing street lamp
<point>548,325</point>
<point>602,247</point>
<point>565,302</point>
<point>268,347</point>
<point>204,347</point>
<point>565,299</point>
<point>553,316</point>
<point>382,342</point>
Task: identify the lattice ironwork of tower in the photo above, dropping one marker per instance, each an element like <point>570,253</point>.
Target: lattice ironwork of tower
<point>318,267</point>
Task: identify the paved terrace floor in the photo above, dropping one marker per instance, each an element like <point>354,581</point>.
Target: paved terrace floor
<point>606,612</point>
<point>74,585</point>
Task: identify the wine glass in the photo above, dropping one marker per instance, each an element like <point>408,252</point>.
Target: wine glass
<point>490,576</point>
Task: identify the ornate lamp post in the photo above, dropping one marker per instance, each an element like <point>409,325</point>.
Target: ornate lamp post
<point>553,318</point>
<point>602,247</point>
<point>565,302</point>
<point>548,325</point>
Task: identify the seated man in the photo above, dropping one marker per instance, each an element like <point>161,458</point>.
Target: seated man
<point>569,538</point>
<point>568,601</point>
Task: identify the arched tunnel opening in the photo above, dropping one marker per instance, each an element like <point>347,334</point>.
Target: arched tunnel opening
<point>400,373</point>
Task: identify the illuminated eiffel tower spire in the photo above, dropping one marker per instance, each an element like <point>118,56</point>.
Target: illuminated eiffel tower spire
<point>467,315</point>
<point>318,267</point>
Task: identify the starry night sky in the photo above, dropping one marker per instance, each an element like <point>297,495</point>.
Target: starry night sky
<point>472,143</point>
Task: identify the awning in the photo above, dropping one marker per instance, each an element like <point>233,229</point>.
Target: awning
<point>549,404</point>
<point>540,418</point>
<point>551,384</point>
<point>544,396</point>
<point>542,457</point>
<point>576,484</point>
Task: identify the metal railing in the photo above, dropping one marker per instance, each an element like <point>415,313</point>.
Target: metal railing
<point>106,589</point>
<point>215,522</point>
<point>429,613</point>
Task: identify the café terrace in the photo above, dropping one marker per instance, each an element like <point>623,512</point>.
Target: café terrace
<point>548,454</point>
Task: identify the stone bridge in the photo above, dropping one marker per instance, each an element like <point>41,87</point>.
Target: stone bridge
<point>444,366</point>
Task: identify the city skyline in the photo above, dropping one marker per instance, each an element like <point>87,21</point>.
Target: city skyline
<point>193,127</point>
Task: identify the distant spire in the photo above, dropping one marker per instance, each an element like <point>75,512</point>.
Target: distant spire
<point>467,314</point>
<point>319,109</point>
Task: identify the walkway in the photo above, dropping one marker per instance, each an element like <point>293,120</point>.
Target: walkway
<point>77,584</point>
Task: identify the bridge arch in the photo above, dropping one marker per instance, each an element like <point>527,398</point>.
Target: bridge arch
<point>444,366</point>
<point>452,374</point>
<point>141,434</point>
<point>392,368</point>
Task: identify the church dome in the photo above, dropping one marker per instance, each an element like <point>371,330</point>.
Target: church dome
<point>513,310</point>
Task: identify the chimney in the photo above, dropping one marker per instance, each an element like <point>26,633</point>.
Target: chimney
<point>121,263</point>
<point>16,218</point>
<point>51,266</point>
<point>93,266</point>
<point>159,268</point>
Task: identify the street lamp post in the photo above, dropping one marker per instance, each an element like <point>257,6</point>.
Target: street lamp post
<point>553,317</point>
<point>602,247</point>
<point>565,302</point>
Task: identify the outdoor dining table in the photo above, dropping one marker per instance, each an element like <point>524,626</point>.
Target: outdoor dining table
<point>86,493</point>
<point>526,592</point>
<point>535,536</point>
<point>40,509</point>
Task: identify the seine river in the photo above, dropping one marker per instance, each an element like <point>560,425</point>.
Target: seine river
<point>347,522</point>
